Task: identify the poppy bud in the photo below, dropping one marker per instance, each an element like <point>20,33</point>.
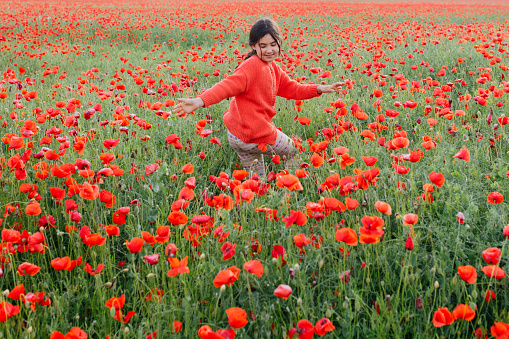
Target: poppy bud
<point>292,273</point>
<point>113,312</point>
<point>437,285</point>
<point>125,270</point>
<point>409,244</point>
<point>6,293</point>
<point>299,302</point>
<point>418,303</point>
<point>150,275</point>
<point>202,256</point>
<point>30,330</point>
<point>474,295</point>
<point>222,289</point>
<point>126,330</point>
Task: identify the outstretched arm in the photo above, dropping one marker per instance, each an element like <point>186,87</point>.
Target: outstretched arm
<point>330,88</point>
<point>186,106</point>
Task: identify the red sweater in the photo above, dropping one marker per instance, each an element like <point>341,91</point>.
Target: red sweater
<point>255,85</point>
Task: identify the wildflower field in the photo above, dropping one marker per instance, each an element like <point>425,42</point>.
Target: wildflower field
<point>120,220</point>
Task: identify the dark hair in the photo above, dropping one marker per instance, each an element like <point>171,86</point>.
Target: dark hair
<point>261,28</point>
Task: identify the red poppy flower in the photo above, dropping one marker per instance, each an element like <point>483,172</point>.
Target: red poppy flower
<point>437,178</point>
<point>254,267</point>
<point>177,218</point>
<point>279,251</point>
<point>346,235</point>
<point>135,245</point>
<point>463,311</point>
<point>7,310</point>
<point>410,219</point>
<point>290,182</point>
<point>226,277</point>
<point>89,192</point>
<point>178,266</point>
<point>492,255</point>
<point>61,264</point>
<point>490,295</point>
<point>283,291</point>
<point>495,198</point>
<point>304,329</point>
<point>493,271</point>
<point>467,273</point>
<point>237,317</point>
<point>28,268</point>
<point>383,207</point>
<point>296,217</point>
<point>116,302</point>
<point>498,330</point>
<point>442,317</point>
<point>323,326</point>
<point>92,271</point>
<point>463,154</point>
<point>33,208</point>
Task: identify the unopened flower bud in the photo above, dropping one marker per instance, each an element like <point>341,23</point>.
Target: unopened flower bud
<point>320,263</point>
<point>6,292</point>
<point>125,270</point>
<point>108,284</point>
<point>113,312</point>
<point>222,289</point>
<point>474,294</point>
<point>437,285</point>
<point>150,275</point>
<point>202,256</point>
<point>299,302</point>
<point>126,330</point>
<point>30,330</point>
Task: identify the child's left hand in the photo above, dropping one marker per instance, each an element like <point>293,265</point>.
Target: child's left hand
<point>330,88</point>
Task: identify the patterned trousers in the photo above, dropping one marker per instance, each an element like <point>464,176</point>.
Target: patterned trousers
<point>251,156</point>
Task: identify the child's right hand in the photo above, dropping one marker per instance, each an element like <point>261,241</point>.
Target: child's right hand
<point>186,106</point>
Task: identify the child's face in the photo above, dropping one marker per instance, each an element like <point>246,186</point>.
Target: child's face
<point>267,48</point>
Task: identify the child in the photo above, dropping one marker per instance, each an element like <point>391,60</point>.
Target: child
<point>255,83</point>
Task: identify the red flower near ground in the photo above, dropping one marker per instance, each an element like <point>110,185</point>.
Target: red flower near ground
<point>437,178</point>
<point>237,317</point>
<point>463,311</point>
<point>290,182</point>
<point>254,267</point>
<point>178,266</point>
<point>442,317</point>
<point>346,235</point>
<point>28,268</point>
<point>495,198</point>
<point>467,273</point>
<point>492,255</point>
<point>305,330</point>
<point>226,277</point>
<point>7,310</point>
<point>323,326</point>
<point>283,291</point>
<point>493,271</point>
<point>296,217</point>
<point>498,330</point>
<point>383,207</point>
<point>463,154</point>
<point>135,245</point>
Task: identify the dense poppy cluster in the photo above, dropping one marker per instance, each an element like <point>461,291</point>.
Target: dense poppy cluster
<point>106,193</point>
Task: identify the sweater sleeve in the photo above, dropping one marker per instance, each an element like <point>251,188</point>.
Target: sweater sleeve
<point>230,86</point>
<point>291,89</point>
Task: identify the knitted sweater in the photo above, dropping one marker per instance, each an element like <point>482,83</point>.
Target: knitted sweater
<point>255,85</point>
